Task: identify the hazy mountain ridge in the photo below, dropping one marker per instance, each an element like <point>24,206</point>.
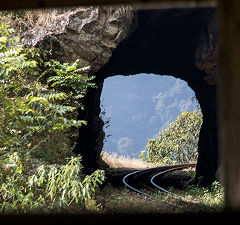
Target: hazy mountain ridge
<point>139,107</point>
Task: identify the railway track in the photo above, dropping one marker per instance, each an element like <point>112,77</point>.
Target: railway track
<point>145,178</point>
<point>142,180</point>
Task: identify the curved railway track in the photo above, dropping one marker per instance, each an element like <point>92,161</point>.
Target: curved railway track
<point>147,179</point>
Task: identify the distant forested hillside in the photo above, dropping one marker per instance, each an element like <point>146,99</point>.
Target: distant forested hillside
<point>139,106</point>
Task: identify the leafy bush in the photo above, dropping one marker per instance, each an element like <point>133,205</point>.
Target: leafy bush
<point>67,78</point>
<point>28,116</point>
<point>32,115</point>
<point>49,190</point>
<point>177,143</point>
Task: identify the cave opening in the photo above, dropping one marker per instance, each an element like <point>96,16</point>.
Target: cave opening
<point>135,108</point>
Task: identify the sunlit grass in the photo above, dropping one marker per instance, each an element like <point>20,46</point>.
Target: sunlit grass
<point>115,161</point>
<point>213,197</point>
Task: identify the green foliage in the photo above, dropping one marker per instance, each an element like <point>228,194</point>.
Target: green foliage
<point>67,78</point>
<point>213,196</point>
<point>50,189</point>
<point>31,116</point>
<point>177,143</point>
<point>25,111</point>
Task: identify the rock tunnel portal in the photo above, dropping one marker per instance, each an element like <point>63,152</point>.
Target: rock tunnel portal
<point>180,42</point>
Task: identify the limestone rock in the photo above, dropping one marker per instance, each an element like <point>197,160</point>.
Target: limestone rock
<point>89,34</point>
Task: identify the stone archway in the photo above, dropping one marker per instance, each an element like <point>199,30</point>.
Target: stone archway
<point>180,42</point>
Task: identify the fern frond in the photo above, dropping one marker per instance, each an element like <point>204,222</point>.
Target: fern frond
<point>60,109</point>
<point>53,97</point>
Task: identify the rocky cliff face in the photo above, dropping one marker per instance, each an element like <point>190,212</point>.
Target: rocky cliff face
<point>89,34</point>
<point>118,40</point>
<point>207,50</point>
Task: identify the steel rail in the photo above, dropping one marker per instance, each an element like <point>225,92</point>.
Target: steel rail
<point>163,172</point>
<point>163,169</point>
<point>173,194</point>
<point>133,188</point>
<point>187,200</point>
